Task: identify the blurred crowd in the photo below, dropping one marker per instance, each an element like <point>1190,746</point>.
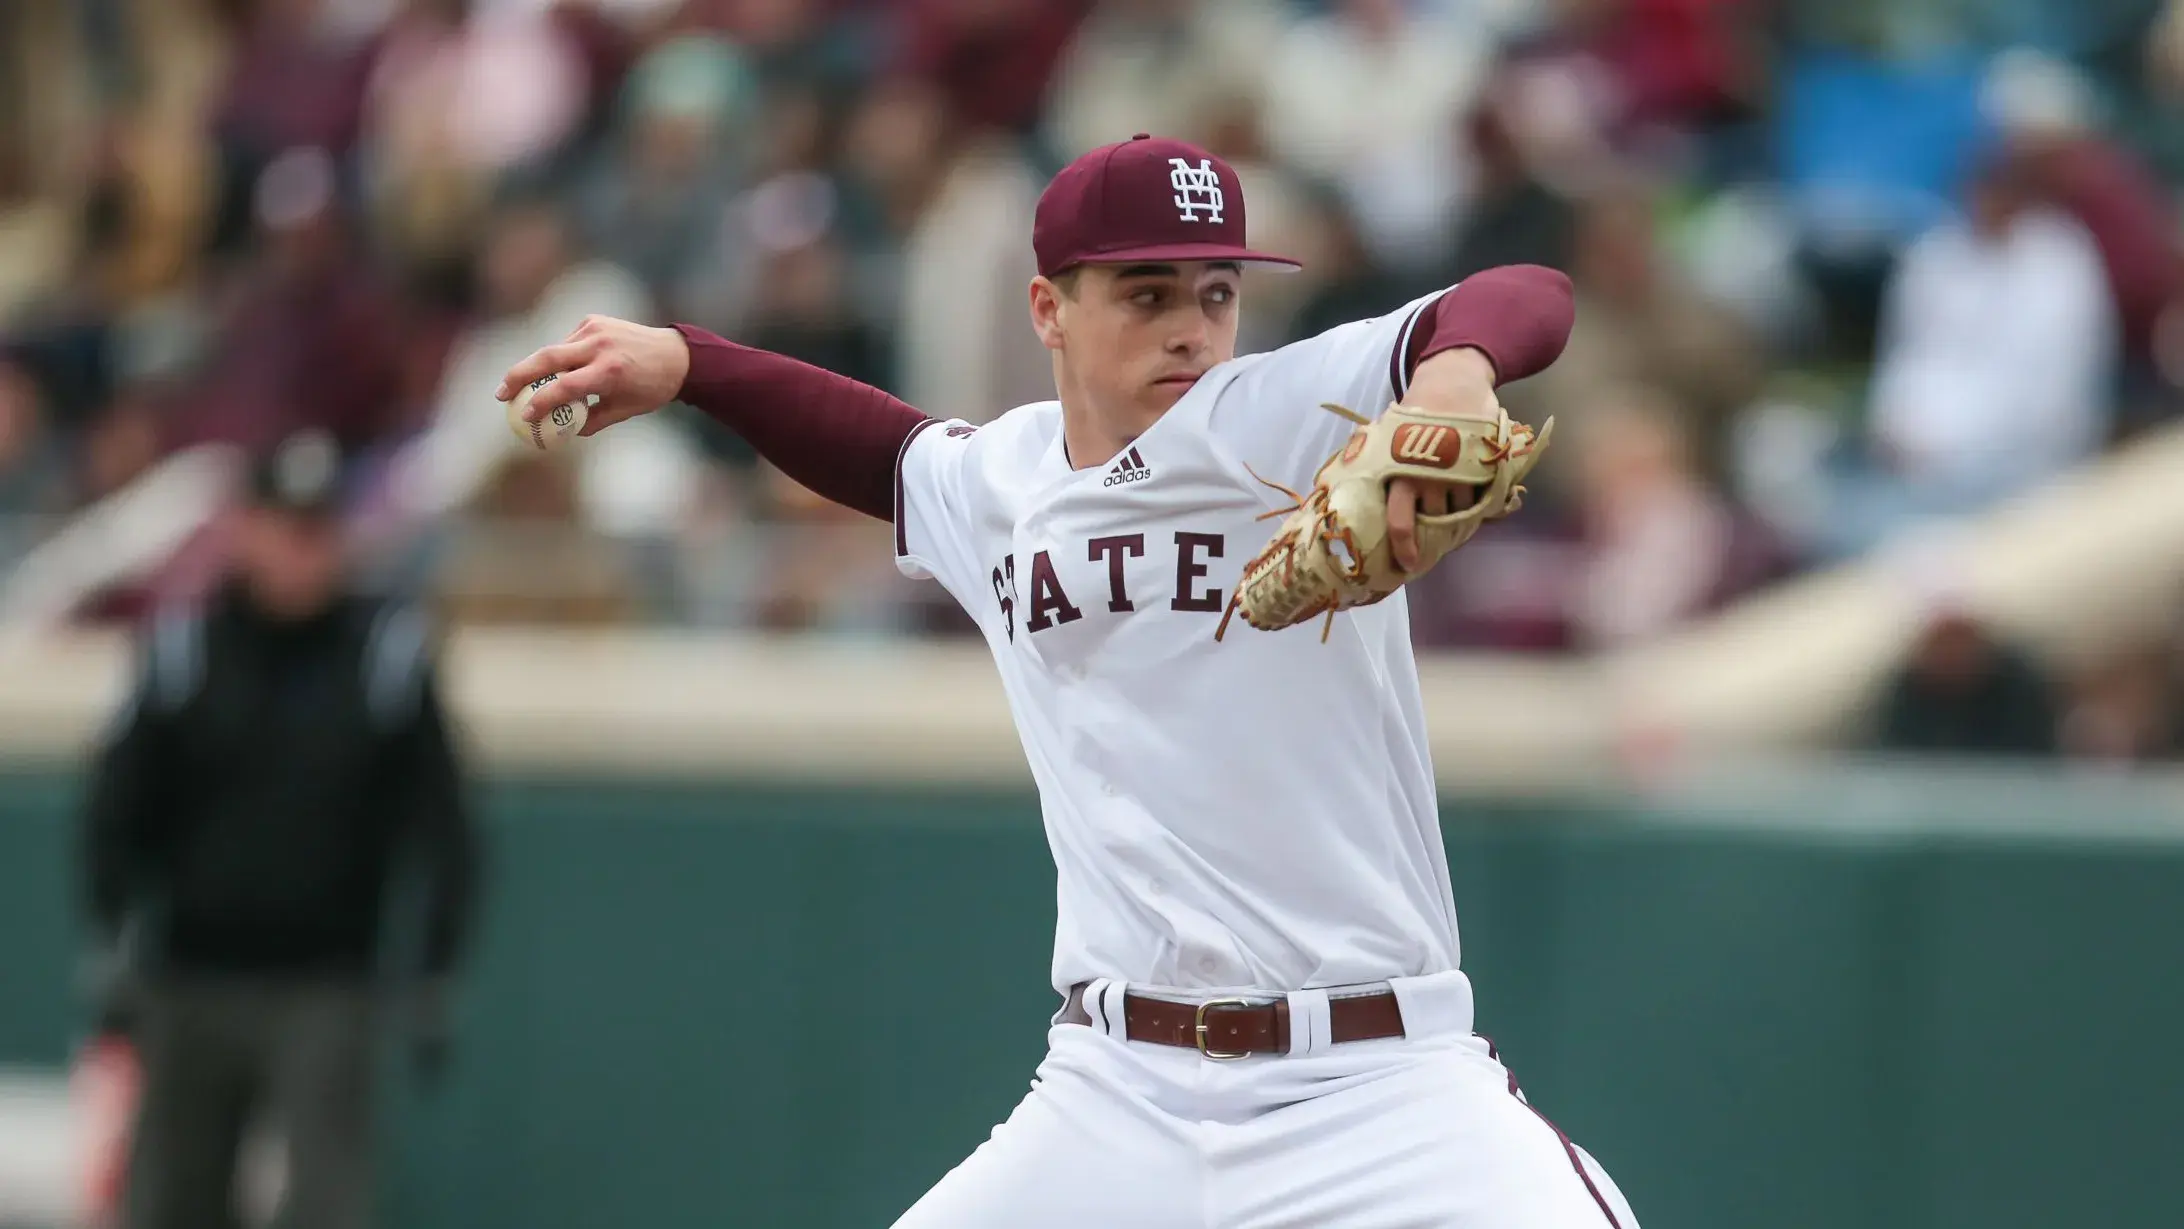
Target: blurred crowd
<point>1843,266</point>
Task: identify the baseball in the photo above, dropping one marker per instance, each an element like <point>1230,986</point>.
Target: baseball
<point>555,429</point>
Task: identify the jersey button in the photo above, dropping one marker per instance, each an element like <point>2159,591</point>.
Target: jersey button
<point>1107,788</point>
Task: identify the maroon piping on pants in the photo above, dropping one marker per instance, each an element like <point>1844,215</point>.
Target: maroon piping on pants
<point>1569,1148</point>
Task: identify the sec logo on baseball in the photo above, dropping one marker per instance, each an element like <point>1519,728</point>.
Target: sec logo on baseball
<point>555,429</point>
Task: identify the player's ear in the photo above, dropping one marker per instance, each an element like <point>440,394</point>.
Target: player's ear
<point>1046,312</point>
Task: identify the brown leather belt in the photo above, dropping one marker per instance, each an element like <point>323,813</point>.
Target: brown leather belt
<point>1237,1028</point>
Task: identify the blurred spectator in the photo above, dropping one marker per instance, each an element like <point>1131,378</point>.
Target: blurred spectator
<point>819,566</point>
<point>176,545</point>
<point>653,203</point>
<point>1995,372</point>
<point>154,213</point>
<point>803,311</point>
<point>1663,70</point>
<point>2165,46</point>
<point>126,245</point>
<point>120,451</point>
<point>279,864</point>
<point>606,36</point>
<point>311,336</point>
<point>1966,691</point>
<point>893,147</point>
<point>793,44</point>
<point>1620,543</point>
<point>2045,110</point>
<point>1659,545</point>
<point>461,93</point>
<point>1871,150</point>
<point>33,471</point>
<point>535,288</point>
<point>1160,66</point>
<point>1361,96</point>
<point>46,125</point>
<point>2154,126</point>
<point>1640,321</point>
<point>966,348</point>
<point>827,569</point>
<point>1282,220</point>
<point>1512,216</point>
<point>1351,285</point>
<point>992,59</point>
<point>791,195</point>
<point>889,166</point>
<point>37,45</point>
<point>296,80</point>
<point>521,557</point>
<point>796,133</point>
<point>119,445</point>
<point>1513,588</point>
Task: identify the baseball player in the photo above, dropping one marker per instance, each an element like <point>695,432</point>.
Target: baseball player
<point>1262,1021</point>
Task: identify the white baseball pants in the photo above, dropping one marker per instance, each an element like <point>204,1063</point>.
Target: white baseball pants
<point>1425,1131</point>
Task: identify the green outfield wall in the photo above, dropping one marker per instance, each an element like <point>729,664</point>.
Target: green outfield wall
<point>713,1006</point>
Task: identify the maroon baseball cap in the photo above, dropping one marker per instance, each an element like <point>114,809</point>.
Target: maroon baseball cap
<point>1144,200</point>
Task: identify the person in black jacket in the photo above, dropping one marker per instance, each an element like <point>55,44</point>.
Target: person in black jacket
<point>275,836</point>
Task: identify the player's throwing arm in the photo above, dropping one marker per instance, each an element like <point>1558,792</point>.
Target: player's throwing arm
<point>834,435</point>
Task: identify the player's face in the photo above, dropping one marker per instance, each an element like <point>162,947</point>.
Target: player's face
<point>1134,338</point>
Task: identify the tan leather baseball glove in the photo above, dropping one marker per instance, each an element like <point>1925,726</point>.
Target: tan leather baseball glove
<point>1332,552</point>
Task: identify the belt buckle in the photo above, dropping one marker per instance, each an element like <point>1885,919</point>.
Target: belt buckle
<point>1199,1029</point>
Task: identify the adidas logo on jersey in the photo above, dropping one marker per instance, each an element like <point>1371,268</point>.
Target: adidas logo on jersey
<point>1131,468</point>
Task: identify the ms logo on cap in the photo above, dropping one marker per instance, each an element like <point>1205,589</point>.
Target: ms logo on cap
<point>1196,187</point>
<point>1143,201</point>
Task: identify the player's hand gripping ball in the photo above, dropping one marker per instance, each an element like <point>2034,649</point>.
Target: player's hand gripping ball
<point>1333,550</point>
<point>553,429</point>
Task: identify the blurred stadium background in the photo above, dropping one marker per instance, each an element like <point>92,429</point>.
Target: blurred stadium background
<point>1821,867</point>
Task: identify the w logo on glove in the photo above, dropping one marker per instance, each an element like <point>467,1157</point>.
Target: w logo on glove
<point>1332,552</point>
<point>1440,447</point>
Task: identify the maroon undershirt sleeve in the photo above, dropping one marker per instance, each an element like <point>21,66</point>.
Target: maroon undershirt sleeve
<point>1518,315</point>
<point>837,437</point>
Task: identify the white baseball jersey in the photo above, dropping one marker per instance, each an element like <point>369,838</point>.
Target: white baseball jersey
<point>1254,813</point>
